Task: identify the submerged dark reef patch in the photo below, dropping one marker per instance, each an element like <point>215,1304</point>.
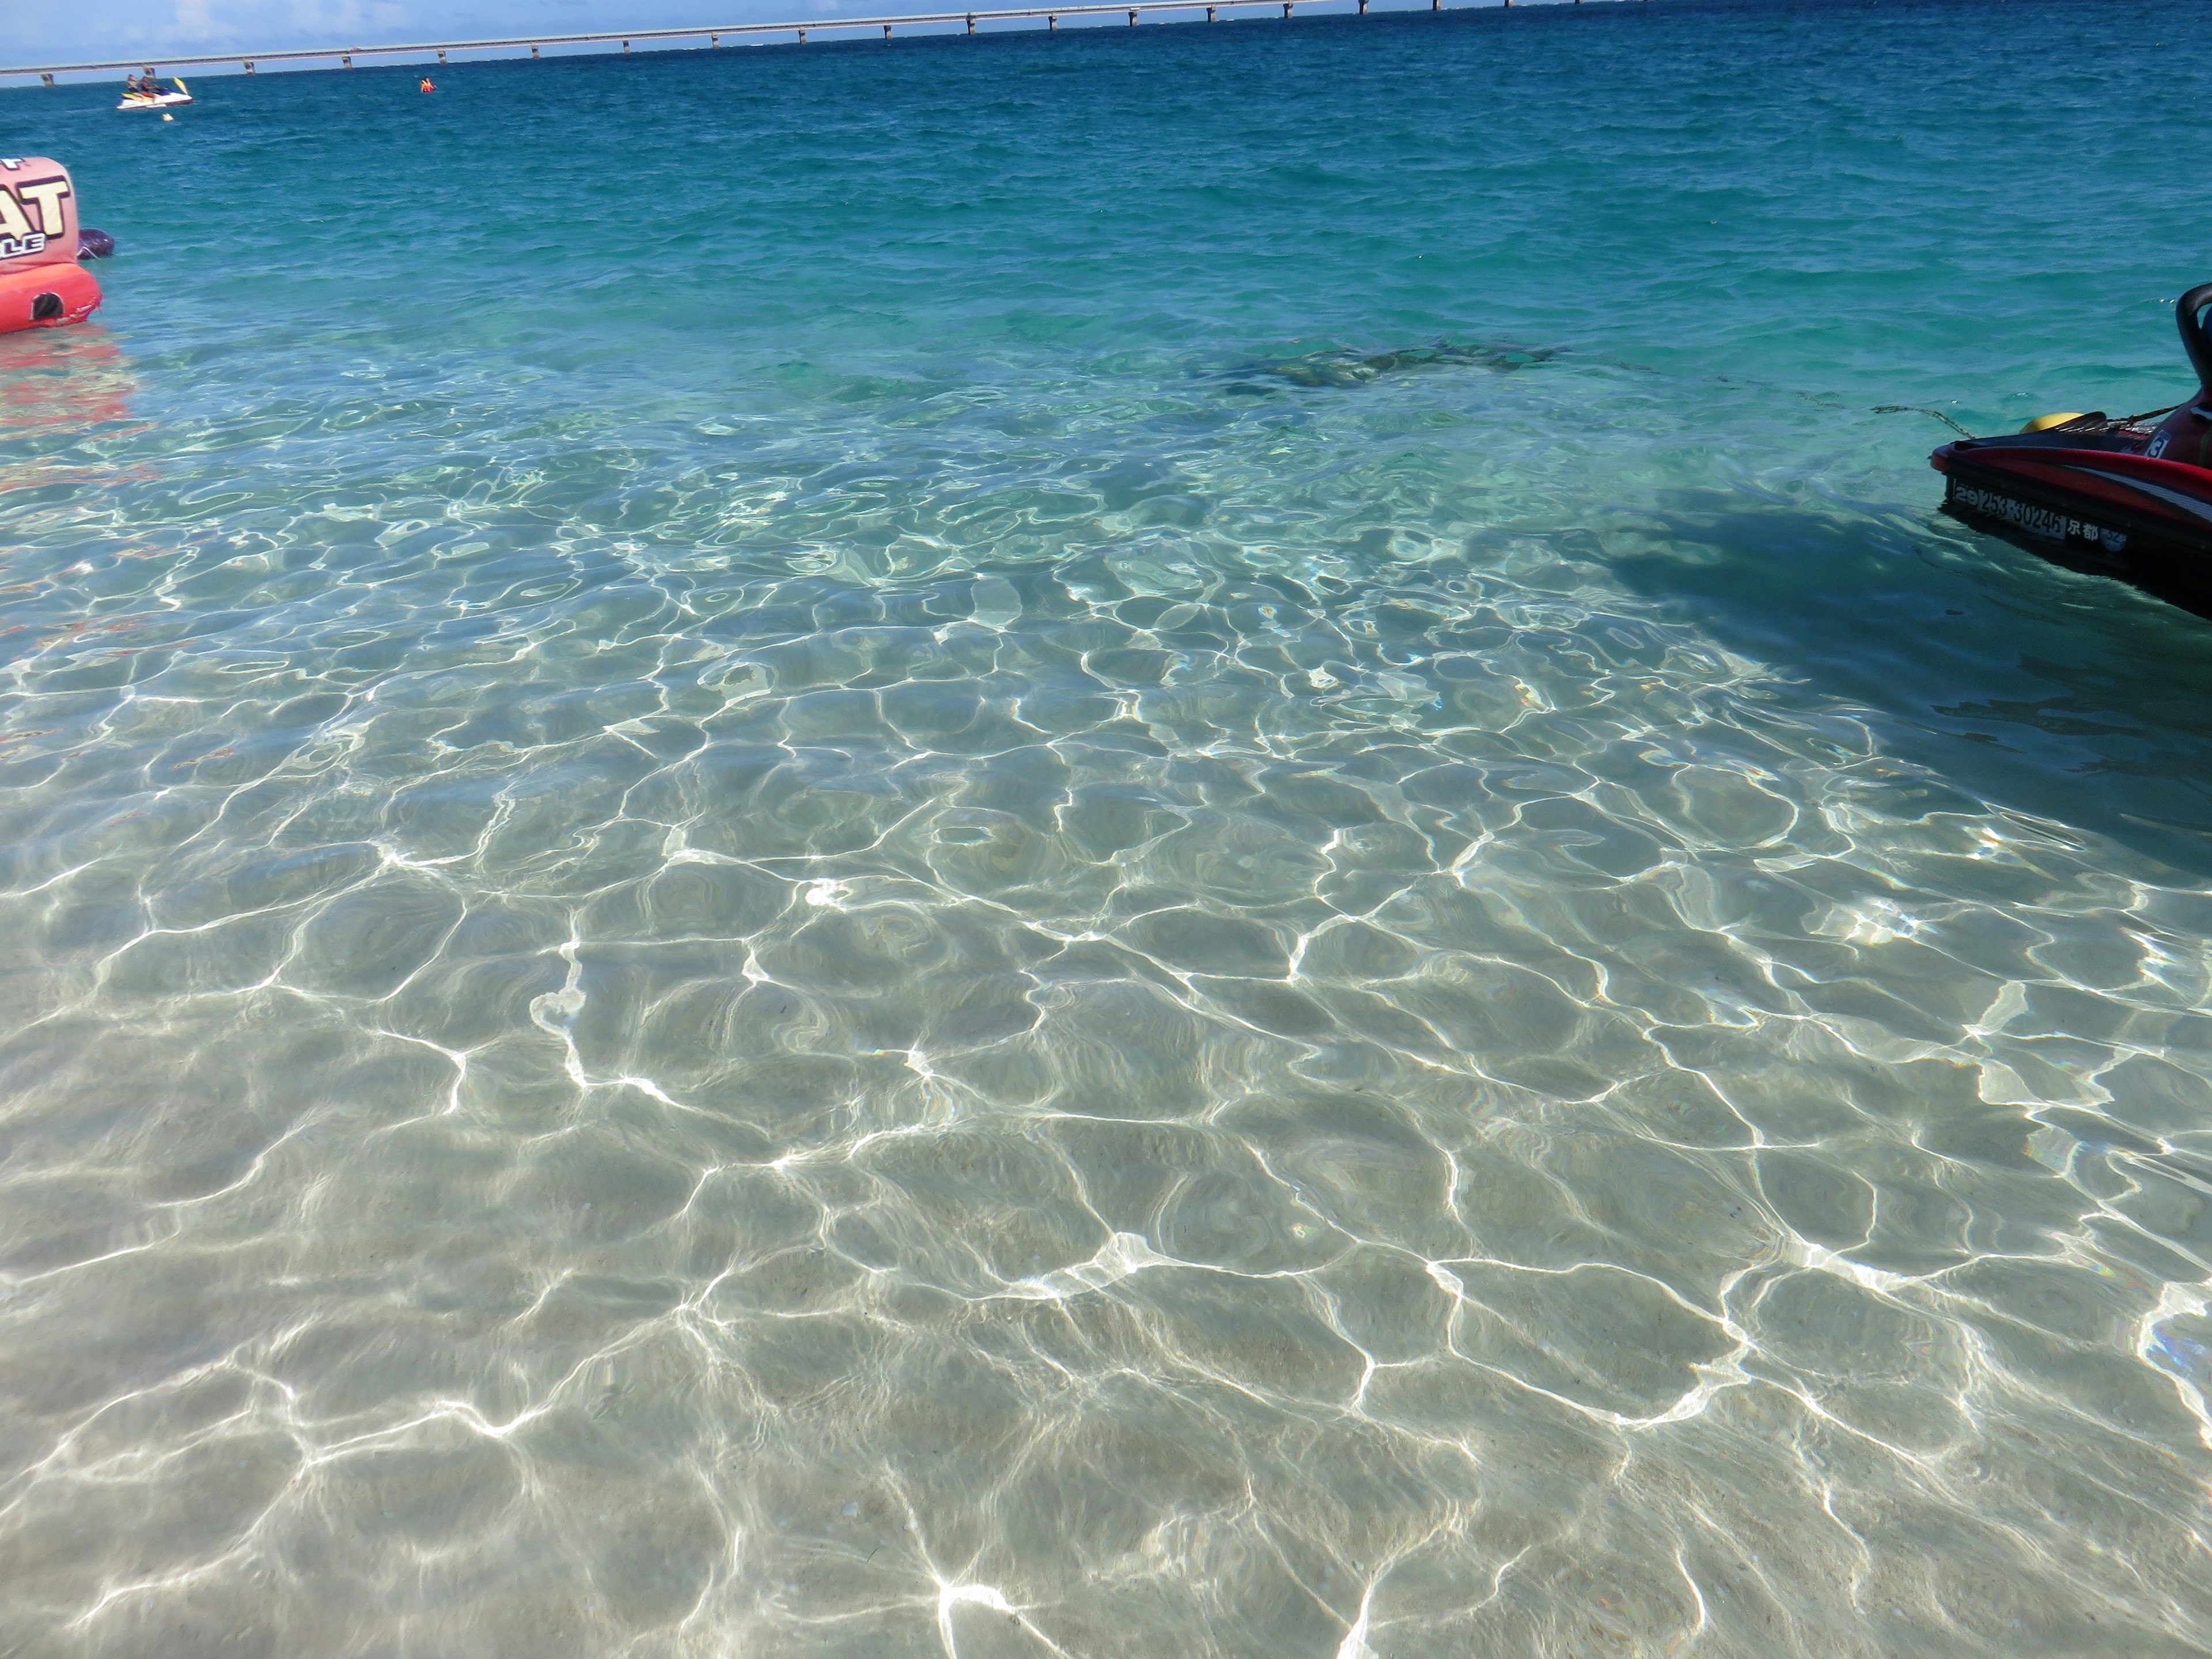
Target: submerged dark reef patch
<point>1343,367</point>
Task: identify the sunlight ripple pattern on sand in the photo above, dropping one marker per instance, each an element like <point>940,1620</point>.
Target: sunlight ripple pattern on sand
<point>992,978</point>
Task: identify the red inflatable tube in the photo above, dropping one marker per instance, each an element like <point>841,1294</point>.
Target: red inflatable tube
<point>41,284</point>
<point>47,296</point>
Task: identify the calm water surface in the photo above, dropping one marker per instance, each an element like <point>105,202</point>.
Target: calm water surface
<point>1157,842</point>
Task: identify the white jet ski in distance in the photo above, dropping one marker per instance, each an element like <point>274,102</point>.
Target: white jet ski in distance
<point>160,100</point>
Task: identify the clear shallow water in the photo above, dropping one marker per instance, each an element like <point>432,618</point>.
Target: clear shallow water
<point>781,877</point>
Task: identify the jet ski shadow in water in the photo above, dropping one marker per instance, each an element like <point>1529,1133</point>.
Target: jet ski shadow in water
<point>1346,368</point>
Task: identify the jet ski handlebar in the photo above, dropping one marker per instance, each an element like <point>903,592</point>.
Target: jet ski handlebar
<point>2189,314</point>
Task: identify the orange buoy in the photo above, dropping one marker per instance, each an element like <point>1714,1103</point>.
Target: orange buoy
<point>41,283</point>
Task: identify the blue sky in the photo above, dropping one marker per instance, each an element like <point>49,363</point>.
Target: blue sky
<point>42,31</point>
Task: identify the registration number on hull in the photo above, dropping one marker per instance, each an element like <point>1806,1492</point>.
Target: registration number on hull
<point>2039,521</point>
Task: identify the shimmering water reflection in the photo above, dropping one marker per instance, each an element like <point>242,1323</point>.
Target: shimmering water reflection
<point>948,985</point>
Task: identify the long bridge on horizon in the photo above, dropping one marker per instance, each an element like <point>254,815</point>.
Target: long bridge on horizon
<point>712,36</point>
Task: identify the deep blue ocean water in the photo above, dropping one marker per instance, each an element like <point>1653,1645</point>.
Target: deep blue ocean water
<point>1184,840</point>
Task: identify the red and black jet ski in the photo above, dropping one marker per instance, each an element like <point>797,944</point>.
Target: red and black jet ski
<point>2122,496</point>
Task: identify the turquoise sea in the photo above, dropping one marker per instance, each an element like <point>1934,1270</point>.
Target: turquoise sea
<point>1165,841</point>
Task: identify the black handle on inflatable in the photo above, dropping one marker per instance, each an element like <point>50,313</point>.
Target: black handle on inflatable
<point>2190,314</point>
